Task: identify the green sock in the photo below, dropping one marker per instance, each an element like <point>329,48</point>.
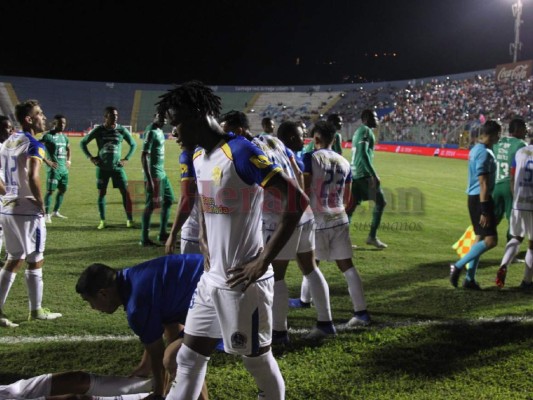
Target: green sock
<point>101,207</point>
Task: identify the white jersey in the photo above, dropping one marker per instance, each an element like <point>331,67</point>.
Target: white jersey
<point>330,172</point>
<point>278,154</point>
<point>229,180</point>
<point>523,179</point>
<point>14,162</point>
<point>191,228</point>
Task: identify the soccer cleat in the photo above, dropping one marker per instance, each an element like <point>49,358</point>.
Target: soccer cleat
<point>526,286</point>
<point>280,338</point>
<point>148,243</point>
<point>359,320</point>
<point>354,246</point>
<point>376,243</point>
<point>58,215</point>
<point>5,322</point>
<point>454,275</point>
<point>298,303</point>
<point>500,276</point>
<point>101,225</point>
<point>321,332</point>
<point>129,223</point>
<point>472,285</point>
<point>43,314</point>
<point>47,219</point>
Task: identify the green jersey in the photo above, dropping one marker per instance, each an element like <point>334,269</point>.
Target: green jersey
<point>363,153</point>
<point>504,152</point>
<point>154,145</point>
<point>336,146</point>
<point>56,144</point>
<point>109,143</point>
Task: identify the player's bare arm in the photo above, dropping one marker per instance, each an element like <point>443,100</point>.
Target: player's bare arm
<point>34,181</point>
<point>484,198</point>
<point>189,192</point>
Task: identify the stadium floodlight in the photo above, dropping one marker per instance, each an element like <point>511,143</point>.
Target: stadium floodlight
<point>515,47</point>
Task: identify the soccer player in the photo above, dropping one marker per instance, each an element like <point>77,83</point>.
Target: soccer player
<point>159,192</point>
<point>58,162</point>
<point>366,184</point>
<point>77,385</point>
<point>187,216</point>
<point>108,161</point>
<point>22,214</point>
<point>521,223</point>
<point>504,151</point>
<point>6,129</point>
<point>234,296</point>
<point>301,245</point>
<point>268,126</point>
<point>481,180</point>
<point>155,294</point>
<point>327,177</point>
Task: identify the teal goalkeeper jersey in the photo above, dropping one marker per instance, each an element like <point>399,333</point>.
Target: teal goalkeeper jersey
<point>56,144</point>
<point>504,151</point>
<point>109,143</point>
<point>363,153</point>
<point>154,145</point>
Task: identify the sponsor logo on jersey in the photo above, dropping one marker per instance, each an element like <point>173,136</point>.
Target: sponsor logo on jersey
<point>260,161</point>
<point>184,169</point>
<point>216,175</point>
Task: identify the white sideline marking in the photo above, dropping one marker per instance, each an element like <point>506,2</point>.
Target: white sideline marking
<point>299,331</point>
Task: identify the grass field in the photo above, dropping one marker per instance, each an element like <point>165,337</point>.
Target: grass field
<point>428,340</point>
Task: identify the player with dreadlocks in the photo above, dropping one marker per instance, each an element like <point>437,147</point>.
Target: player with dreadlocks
<point>234,296</point>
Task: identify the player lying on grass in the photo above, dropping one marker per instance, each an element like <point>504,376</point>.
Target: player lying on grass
<point>156,296</point>
<point>77,385</point>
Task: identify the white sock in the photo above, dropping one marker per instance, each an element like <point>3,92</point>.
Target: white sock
<point>190,376</point>
<point>6,281</point>
<point>320,292</point>
<point>101,385</point>
<point>138,396</point>
<point>305,291</point>
<point>280,306</point>
<point>267,375</point>
<point>355,288</point>
<point>528,270</point>
<point>511,250</point>
<point>34,282</point>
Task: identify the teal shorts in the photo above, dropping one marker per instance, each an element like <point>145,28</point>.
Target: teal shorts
<point>166,193</point>
<point>503,201</point>
<point>118,176</point>
<point>57,180</point>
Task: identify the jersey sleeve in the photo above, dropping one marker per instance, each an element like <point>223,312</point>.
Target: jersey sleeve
<point>147,144</point>
<point>129,139</point>
<point>251,164</point>
<point>85,141</point>
<point>187,166</point>
<point>483,163</point>
<point>36,150</point>
<point>308,163</point>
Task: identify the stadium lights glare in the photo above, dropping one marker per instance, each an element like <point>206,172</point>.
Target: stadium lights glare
<point>515,47</point>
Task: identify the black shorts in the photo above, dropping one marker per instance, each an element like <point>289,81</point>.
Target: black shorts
<point>474,208</point>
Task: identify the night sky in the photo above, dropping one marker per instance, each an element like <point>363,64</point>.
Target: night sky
<point>257,42</point>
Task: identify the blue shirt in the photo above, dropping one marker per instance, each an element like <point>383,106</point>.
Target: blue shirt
<point>159,291</point>
<point>481,161</point>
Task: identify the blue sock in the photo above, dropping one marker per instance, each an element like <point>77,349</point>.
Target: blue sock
<point>475,252</point>
<point>471,269</point>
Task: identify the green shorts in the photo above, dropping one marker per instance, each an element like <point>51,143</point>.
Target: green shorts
<point>118,176</point>
<point>57,180</point>
<point>166,193</point>
<point>503,201</point>
<point>363,191</point>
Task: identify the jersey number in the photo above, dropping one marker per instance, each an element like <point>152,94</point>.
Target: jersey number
<point>10,168</point>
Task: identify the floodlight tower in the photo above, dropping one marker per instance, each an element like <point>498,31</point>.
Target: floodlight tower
<point>515,47</point>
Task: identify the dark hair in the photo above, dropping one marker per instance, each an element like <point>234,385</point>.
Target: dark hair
<point>3,118</point>
<point>516,123</point>
<point>235,119</point>
<point>22,110</point>
<point>332,118</point>
<point>326,130</point>
<point>286,129</point>
<point>109,109</point>
<point>94,278</point>
<point>491,127</point>
<point>266,120</point>
<point>366,114</point>
<point>59,116</point>
<point>193,95</point>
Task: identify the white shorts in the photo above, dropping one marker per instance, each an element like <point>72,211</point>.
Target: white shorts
<point>25,237</point>
<point>302,240</point>
<point>32,388</point>
<point>521,223</point>
<point>189,247</point>
<point>333,243</point>
<point>243,320</point>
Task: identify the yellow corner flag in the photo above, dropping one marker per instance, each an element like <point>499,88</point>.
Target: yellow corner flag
<point>462,246</point>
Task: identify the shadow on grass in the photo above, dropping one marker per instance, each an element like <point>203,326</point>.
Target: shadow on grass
<point>451,348</point>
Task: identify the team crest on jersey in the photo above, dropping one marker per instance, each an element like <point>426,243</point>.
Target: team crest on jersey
<point>260,161</point>
<point>216,175</point>
<point>41,152</point>
<point>184,169</point>
<point>238,340</point>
